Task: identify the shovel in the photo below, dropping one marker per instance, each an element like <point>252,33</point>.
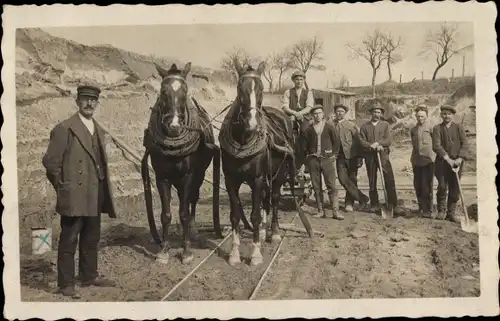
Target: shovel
<point>386,210</point>
<point>466,224</point>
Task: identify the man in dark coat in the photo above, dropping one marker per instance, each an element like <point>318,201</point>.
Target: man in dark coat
<point>349,159</point>
<point>450,144</point>
<point>322,147</point>
<point>375,137</point>
<point>77,167</point>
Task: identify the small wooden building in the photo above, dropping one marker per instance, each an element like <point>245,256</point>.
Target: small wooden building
<point>330,97</point>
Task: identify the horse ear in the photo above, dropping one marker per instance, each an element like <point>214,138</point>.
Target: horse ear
<point>237,66</point>
<point>187,69</point>
<point>261,67</point>
<point>161,71</point>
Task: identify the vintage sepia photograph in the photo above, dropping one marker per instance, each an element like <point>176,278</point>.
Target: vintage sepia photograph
<point>271,161</point>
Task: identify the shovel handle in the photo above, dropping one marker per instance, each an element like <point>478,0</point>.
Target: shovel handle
<point>382,175</point>
<point>461,196</point>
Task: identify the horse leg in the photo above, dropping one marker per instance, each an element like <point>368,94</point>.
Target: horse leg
<point>235,213</point>
<point>164,190</point>
<point>275,198</point>
<point>266,198</point>
<point>257,187</point>
<point>195,196</point>
<point>185,217</point>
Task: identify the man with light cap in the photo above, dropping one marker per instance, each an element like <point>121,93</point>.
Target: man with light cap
<point>349,159</point>
<point>449,141</point>
<point>422,160</point>
<point>375,137</point>
<point>77,167</point>
<point>297,103</point>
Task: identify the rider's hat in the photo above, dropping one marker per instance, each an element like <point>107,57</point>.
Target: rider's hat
<point>341,106</point>
<point>376,105</point>
<point>298,73</point>
<point>449,108</point>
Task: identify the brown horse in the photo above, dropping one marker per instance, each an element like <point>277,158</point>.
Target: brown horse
<point>256,146</point>
<point>179,139</point>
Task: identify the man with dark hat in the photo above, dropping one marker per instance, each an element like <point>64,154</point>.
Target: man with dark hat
<point>450,144</point>
<point>76,166</point>
<point>422,160</point>
<point>375,137</point>
<point>322,149</point>
<point>349,159</point>
<point>297,103</point>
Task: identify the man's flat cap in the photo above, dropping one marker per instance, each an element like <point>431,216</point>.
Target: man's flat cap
<point>341,106</point>
<point>421,107</point>
<point>316,107</point>
<point>90,91</point>
<point>449,108</point>
<point>298,73</point>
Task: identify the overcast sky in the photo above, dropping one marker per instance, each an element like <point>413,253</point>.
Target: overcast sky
<point>205,45</point>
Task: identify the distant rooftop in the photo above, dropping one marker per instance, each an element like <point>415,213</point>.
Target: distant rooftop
<point>335,91</point>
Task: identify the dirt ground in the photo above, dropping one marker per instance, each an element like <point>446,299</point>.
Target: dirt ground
<point>363,256</point>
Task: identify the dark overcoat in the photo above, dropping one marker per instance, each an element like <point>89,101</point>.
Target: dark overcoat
<point>71,168</point>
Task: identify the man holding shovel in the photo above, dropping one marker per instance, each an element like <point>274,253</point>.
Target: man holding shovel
<point>375,138</point>
<point>349,159</point>
<point>450,144</point>
<point>322,149</point>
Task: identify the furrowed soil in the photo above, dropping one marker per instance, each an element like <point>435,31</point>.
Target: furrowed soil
<point>360,257</point>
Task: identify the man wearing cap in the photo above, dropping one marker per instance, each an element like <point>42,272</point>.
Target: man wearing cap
<point>76,166</point>
<point>450,144</point>
<point>297,103</point>
<point>422,160</point>
<point>349,159</point>
<point>322,148</point>
<point>375,137</point>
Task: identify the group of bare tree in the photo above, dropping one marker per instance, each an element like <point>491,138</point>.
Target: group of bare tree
<point>304,55</point>
<point>380,48</point>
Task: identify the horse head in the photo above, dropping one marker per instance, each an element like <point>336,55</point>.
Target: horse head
<point>249,96</point>
<point>173,98</point>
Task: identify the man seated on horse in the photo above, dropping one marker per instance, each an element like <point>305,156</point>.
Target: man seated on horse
<point>323,147</point>
<point>298,103</point>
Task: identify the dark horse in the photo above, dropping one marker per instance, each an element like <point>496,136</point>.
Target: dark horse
<point>256,145</point>
<point>179,139</point>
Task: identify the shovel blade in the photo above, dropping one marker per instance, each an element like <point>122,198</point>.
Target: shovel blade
<point>470,227</point>
<point>386,212</point>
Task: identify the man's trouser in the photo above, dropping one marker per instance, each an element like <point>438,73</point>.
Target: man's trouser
<point>372,171</point>
<point>88,229</point>
<point>322,166</point>
<point>423,177</point>
<point>347,170</point>
<point>446,181</point>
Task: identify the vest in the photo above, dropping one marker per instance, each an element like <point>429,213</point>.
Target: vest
<point>96,147</point>
<point>294,99</point>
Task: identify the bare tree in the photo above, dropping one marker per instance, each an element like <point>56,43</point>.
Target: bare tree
<point>442,43</point>
<point>269,70</point>
<point>245,59</point>
<point>372,50</point>
<point>391,51</point>
<point>282,64</point>
<point>305,53</point>
<point>343,82</point>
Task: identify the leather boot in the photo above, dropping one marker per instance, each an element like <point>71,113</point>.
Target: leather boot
<point>334,200</point>
<point>452,216</point>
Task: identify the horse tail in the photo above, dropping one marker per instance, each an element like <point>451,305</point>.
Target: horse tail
<point>149,198</point>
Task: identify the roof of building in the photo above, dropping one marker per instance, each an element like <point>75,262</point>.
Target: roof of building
<point>335,91</point>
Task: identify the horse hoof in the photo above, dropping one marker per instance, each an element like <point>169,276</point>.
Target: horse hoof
<point>234,259</point>
<point>187,258</point>
<point>276,238</point>
<point>162,258</point>
<point>256,260</point>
